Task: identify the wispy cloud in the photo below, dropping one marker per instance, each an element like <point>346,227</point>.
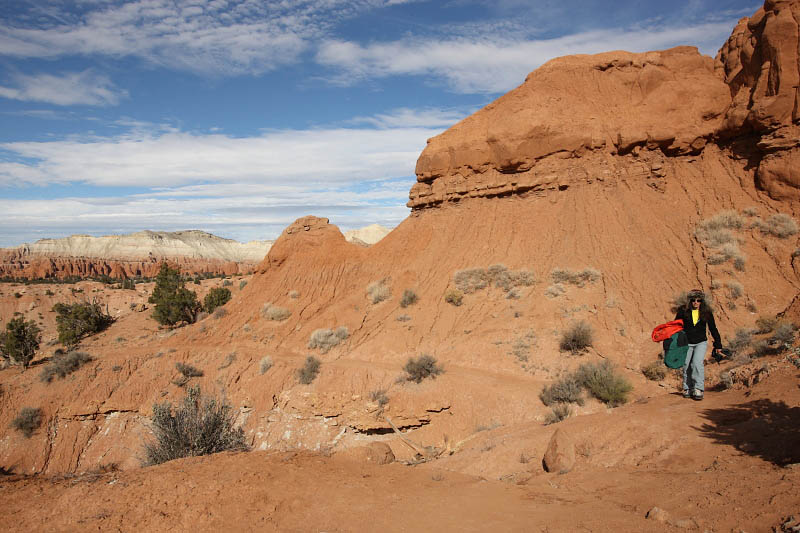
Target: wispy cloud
<point>239,187</point>
<point>336,155</point>
<point>240,211</point>
<point>71,88</point>
<point>220,37</point>
<point>484,64</point>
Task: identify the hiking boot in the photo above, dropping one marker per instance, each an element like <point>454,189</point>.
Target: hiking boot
<point>687,393</point>
<point>697,395</point>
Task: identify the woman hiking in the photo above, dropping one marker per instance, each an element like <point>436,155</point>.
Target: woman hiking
<point>697,316</point>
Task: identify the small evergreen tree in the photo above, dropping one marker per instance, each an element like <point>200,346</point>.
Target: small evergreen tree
<point>19,342</point>
<point>216,297</point>
<point>78,320</point>
<point>173,302</point>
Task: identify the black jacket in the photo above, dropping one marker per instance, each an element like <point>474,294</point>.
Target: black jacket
<point>696,333</point>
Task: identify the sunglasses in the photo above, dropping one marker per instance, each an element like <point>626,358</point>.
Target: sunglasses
<point>697,300</point>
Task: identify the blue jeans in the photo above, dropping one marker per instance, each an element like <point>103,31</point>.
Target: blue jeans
<point>693,369</point>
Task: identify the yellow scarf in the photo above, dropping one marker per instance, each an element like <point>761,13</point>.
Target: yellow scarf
<point>695,316</point>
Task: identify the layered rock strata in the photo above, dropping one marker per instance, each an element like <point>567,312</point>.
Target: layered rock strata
<point>619,115</point>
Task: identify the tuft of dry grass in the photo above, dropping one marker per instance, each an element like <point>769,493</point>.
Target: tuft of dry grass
<point>28,420</point>
<point>422,367</point>
<point>577,337</point>
<point>454,297</point>
<point>559,412</point>
<point>378,291</point>
<point>309,371</point>
<point>265,364</point>
<point>274,312</point>
<point>62,364</point>
<point>655,371</point>
<point>325,339</point>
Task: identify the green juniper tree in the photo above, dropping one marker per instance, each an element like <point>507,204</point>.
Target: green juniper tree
<point>173,302</point>
<point>20,340</point>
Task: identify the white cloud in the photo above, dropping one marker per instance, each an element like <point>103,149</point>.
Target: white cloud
<point>71,88</point>
<point>338,155</point>
<point>415,118</point>
<point>221,37</point>
<point>243,188</point>
<point>242,212</point>
<point>483,64</point>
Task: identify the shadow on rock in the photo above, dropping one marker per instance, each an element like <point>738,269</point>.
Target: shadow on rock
<point>762,428</point>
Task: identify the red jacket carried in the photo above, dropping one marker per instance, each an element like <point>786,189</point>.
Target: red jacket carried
<point>665,331</point>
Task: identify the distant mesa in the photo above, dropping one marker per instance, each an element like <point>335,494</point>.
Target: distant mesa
<point>140,254</point>
<point>367,236</point>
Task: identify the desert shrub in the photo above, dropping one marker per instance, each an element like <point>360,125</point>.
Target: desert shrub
<point>750,211</point>
<point>62,364</point>
<point>784,335</point>
<point>17,295</point>
<point>227,283</point>
<point>174,303</point>
<point>325,339</point>
<point>28,420</point>
<point>379,396</point>
<point>200,425</point>
<point>739,263</point>
<point>242,284</point>
<point>471,279</point>
<point>274,312</point>
<point>48,292</point>
<point>20,340</point>
<point>577,337</point>
<point>604,383</point>
<point>741,339</point>
<point>79,320</point>
<point>761,348</point>
<point>655,371</point>
<point>127,284</point>
<point>309,371</point>
<point>216,297</point>
<point>378,292</point>
<point>578,278</point>
<point>780,225</point>
<point>188,371</point>
<point>454,297</point>
<point>220,312</point>
<point>421,367</point>
<point>765,324</point>
<point>403,318</point>
<point>555,290</point>
<point>294,295</point>
<point>197,281</point>
<point>722,220</point>
<point>409,298</point>
<point>565,390</point>
<point>735,289</point>
<point>265,365</point>
<point>559,412</point>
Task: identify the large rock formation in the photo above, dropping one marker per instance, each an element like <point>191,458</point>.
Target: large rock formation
<point>575,117</point>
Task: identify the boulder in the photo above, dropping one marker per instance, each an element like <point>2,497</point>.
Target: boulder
<point>560,454</point>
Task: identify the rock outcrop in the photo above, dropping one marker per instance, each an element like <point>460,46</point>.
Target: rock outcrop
<point>574,119</point>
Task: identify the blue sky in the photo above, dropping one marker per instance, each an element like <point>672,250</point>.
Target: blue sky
<point>238,116</point>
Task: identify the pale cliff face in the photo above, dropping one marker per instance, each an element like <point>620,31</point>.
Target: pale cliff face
<point>192,244</point>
